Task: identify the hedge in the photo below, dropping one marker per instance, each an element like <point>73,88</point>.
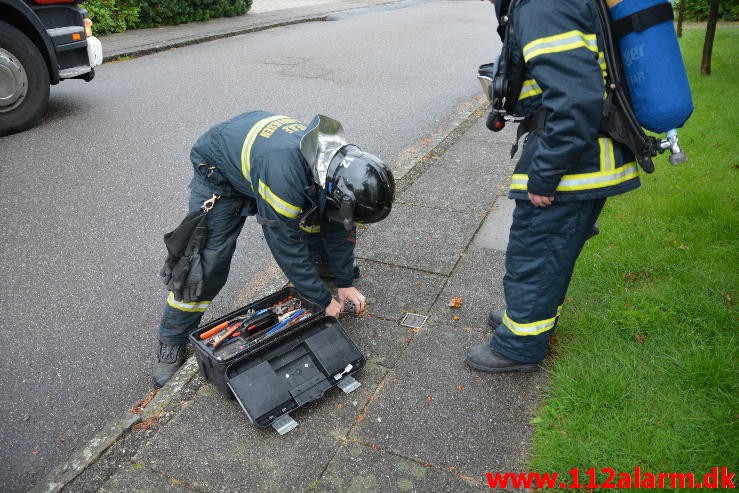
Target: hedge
<point>112,16</point>
<point>166,12</point>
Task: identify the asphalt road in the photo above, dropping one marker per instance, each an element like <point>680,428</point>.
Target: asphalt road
<point>86,196</point>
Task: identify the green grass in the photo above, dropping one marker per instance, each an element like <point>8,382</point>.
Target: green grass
<point>644,370</point>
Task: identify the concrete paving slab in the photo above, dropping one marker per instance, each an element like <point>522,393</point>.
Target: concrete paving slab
<point>135,478</point>
<point>361,469</point>
<point>468,186</point>
<point>393,291</point>
<point>494,231</point>
<point>382,342</point>
<point>434,410</point>
<point>414,237</point>
<point>478,281</point>
<point>211,446</point>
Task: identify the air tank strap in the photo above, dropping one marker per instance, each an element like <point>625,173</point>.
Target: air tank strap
<point>642,20</point>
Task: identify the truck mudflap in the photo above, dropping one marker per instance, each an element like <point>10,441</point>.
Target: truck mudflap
<point>94,51</point>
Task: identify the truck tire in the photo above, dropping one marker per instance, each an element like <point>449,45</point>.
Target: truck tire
<point>24,81</point>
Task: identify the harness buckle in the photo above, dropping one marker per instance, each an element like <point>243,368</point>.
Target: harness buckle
<point>208,204</point>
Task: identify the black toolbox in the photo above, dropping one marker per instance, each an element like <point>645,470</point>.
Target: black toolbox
<point>272,374</point>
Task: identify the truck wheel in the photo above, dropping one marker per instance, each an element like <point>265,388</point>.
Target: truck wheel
<point>24,81</point>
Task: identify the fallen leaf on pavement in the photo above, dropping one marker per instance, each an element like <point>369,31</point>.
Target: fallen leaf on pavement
<point>145,402</point>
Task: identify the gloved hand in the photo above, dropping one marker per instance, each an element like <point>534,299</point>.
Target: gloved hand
<point>183,271</point>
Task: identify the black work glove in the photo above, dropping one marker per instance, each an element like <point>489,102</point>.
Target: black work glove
<point>183,270</point>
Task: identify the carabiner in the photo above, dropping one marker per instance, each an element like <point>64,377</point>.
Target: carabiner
<point>208,204</point>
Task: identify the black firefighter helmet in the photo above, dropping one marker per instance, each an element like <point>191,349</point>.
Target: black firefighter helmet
<point>359,187</point>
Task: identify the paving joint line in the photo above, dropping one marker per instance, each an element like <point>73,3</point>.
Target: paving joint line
<point>427,465</point>
<point>406,267</point>
<point>345,439</point>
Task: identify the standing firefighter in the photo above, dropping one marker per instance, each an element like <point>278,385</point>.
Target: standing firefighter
<point>306,187</point>
<point>566,170</point>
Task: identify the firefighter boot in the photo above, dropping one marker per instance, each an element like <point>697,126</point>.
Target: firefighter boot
<point>482,357</point>
<point>169,359</point>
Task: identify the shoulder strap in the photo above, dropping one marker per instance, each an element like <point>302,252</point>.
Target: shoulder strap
<point>517,74</point>
<point>642,20</point>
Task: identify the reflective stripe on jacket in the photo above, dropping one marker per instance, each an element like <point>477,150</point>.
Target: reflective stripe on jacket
<point>567,158</point>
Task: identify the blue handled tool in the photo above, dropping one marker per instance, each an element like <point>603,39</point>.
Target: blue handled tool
<point>285,322</point>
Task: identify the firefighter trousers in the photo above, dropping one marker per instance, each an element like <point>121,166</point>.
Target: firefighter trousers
<point>543,245</point>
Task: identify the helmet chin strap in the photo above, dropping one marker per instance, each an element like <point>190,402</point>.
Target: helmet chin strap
<point>347,212</point>
<point>341,210</point>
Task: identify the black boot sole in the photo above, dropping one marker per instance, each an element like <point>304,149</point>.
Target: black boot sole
<point>520,368</point>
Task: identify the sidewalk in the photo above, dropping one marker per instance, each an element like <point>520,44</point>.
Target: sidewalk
<point>421,421</point>
<point>264,14</point>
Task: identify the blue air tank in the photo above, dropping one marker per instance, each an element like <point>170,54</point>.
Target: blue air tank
<point>654,70</point>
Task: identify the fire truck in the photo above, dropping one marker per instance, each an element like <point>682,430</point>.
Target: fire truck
<point>42,42</point>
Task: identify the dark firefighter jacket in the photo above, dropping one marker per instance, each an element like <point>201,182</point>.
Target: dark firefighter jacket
<point>566,157</point>
<point>259,155</point>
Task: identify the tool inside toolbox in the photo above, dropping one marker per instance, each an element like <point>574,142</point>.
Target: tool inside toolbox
<point>248,329</point>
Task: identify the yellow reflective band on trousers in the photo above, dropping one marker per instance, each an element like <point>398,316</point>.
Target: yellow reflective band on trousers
<point>528,89</point>
<point>196,306</point>
<point>530,329</point>
<point>311,229</point>
<point>251,136</point>
<point>282,207</point>
<point>571,40</point>
<point>608,175</point>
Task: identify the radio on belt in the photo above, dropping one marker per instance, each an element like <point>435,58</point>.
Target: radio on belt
<point>276,355</point>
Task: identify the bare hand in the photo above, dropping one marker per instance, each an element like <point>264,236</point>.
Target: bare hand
<point>540,200</point>
<point>353,295</point>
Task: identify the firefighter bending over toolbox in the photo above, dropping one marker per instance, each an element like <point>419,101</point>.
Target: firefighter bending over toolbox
<point>307,188</point>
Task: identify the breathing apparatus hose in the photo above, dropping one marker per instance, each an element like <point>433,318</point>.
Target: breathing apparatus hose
<point>643,146</point>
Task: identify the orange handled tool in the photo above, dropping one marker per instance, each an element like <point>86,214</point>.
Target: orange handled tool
<point>211,332</point>
<point>227,334</point>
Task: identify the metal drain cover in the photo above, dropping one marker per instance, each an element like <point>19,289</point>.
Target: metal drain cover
<point>413,320</point>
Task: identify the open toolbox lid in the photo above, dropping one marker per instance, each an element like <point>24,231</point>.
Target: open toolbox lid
<point>294,370</point>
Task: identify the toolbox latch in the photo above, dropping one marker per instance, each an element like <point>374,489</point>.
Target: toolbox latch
<point>284,423</point>
<point>348,384</point>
